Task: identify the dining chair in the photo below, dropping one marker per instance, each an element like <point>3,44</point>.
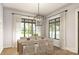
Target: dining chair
<point>28,48</point>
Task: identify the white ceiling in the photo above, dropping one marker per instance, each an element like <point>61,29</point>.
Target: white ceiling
<point>44,8</point>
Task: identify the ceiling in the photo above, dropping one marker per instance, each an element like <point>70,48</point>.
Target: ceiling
<point>44,8</point>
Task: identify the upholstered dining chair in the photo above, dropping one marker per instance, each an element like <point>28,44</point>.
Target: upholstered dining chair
<point>49,45</point>
<point>42,48</point>
<point>28,48</point>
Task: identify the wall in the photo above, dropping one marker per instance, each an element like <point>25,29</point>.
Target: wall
<point>1,28</point>
<point>8,28</point>
<point>70,27</point>
<point>43,27</point>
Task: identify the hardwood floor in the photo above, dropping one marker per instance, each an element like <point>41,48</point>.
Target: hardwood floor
<point>9,51</point>
<point>57,51</point>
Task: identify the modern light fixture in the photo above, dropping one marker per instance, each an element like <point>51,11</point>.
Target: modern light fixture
<point>38,17</point>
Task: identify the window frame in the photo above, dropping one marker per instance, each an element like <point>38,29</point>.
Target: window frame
<point>55,26</point>
<point>32,21</point>
<point>24,21</point>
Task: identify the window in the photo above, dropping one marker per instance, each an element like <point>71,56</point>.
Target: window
<point>57,30</point>
<point>29,28</point>
<point>22,30</point>
<point>54,28</point>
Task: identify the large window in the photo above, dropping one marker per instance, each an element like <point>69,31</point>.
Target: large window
<point>29,28</point>
<point>54,28</point>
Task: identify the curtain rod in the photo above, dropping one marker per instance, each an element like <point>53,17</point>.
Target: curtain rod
<point>21,14</point>
<point>58,13</point>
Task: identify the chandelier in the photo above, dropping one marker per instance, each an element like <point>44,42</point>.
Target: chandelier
<point>38,18</point>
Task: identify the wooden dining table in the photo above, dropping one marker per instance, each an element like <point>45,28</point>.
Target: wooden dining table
<point>23,42</point>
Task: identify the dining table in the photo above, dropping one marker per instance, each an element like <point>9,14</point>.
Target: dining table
<point>38,46</point>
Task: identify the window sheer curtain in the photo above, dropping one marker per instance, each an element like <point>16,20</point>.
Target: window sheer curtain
<point>63,30</point>
<point>16,29</point>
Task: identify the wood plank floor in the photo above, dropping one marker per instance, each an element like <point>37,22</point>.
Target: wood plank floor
<point>57,51</point>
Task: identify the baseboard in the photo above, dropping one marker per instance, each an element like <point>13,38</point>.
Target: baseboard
<point>68,49</point>
<point>74,51</point>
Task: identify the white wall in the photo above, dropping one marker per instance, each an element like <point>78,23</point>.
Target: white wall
<point>1,28</point>
<point>8,28</point>
<point>70,29</point>
<point>8,25</point>
<point>43,32</point>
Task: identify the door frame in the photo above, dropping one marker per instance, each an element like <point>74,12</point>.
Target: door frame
<point>77,30</point>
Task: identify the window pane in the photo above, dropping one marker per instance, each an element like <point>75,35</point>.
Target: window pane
<point>57,30</point>
<point>50,29</point>
<point>26,30</point>
<point>53,30</point>
<point>22,30</point>
<point>30,29</point>
<point>33,29</point>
